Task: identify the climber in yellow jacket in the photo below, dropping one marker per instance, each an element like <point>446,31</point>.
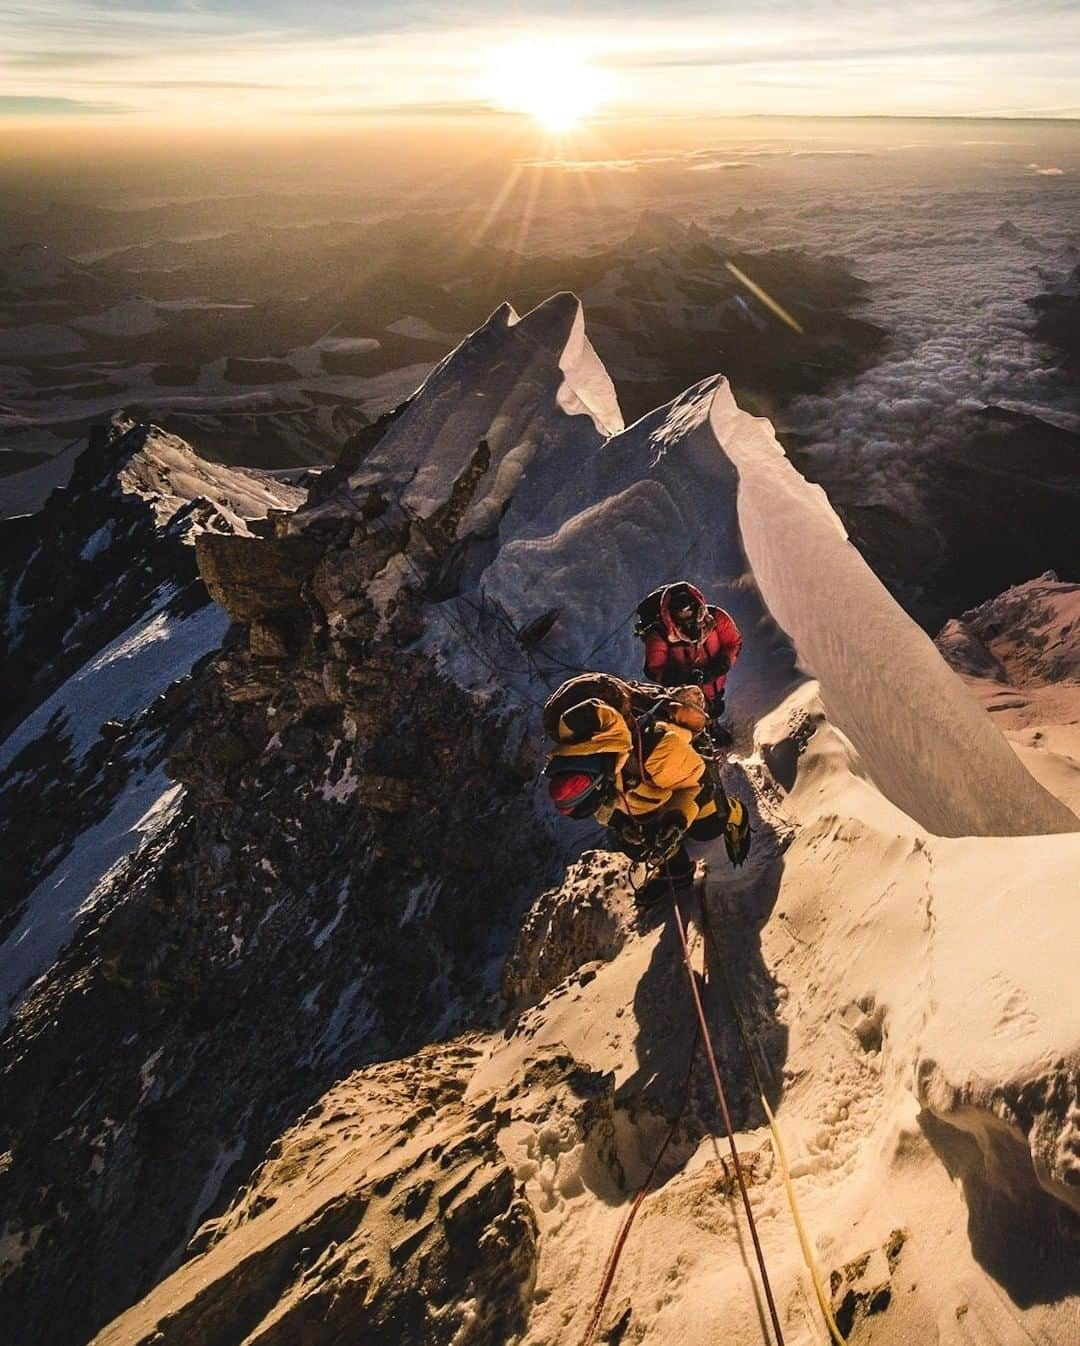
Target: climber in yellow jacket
<point>647,781</point>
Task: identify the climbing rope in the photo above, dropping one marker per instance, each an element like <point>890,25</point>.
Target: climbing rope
<point>778,1144</point>
<point>624,1229</point>
<point>701,1032</point>
<point>722,1101</point>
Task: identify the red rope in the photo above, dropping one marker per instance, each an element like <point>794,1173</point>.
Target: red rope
<point>624,1229</point>
<point>727,1121</point>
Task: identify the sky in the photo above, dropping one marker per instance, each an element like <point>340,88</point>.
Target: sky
<point>216,62</point>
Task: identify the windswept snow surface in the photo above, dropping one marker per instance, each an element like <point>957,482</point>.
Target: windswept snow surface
<point>703,489</point>
<point>882,680</point>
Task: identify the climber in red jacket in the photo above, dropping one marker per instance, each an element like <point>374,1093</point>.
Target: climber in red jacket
<point>687,640</point>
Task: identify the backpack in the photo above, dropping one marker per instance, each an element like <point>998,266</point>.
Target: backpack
<point>580,785</point>
<point>605,687</point>
<point>648,611</point>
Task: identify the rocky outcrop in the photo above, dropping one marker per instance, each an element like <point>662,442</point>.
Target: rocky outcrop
<point>341,839</point>
<point>387,1214</point>
<point>1025,637</point>
<point>588,918</point>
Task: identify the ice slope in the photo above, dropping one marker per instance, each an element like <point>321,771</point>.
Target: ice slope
<point>123,678</point>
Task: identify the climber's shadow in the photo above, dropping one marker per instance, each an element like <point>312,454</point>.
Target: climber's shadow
<point>737,907</point>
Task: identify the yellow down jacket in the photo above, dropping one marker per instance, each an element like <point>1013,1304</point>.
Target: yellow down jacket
<point>671,776</point>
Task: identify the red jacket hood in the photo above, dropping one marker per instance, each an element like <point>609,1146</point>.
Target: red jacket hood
<point>673,632</point>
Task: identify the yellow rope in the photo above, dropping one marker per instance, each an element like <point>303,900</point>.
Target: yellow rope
<point>804,1241</point>
<point>781,1153</point>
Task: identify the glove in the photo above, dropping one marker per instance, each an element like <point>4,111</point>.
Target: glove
<point>737,832</point>
<point>669,833</point>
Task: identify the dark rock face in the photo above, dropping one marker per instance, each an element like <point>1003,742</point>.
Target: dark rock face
<point>104,607</point>
<point>253,578</point>
<point>388,1214</point>
<point>339,886</point>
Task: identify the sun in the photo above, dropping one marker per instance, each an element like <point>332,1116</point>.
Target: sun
<point>553,83</point>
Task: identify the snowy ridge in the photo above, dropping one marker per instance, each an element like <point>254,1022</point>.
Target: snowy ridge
<point>702,488</point>
<point>882,680</point>
<point>532,387</point>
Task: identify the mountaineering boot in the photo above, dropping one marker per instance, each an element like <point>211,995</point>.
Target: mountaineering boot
<point>677,877</point>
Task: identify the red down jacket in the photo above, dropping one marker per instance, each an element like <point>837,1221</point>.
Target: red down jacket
<point>672,658</point>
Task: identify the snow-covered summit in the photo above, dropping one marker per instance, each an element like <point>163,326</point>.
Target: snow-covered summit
<point>168,474</point>
<point>360,814</point>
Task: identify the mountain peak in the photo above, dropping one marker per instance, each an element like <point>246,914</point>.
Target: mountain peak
<point>531,387</point>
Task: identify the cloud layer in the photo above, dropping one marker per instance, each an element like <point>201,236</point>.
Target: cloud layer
<point>279,58</point>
